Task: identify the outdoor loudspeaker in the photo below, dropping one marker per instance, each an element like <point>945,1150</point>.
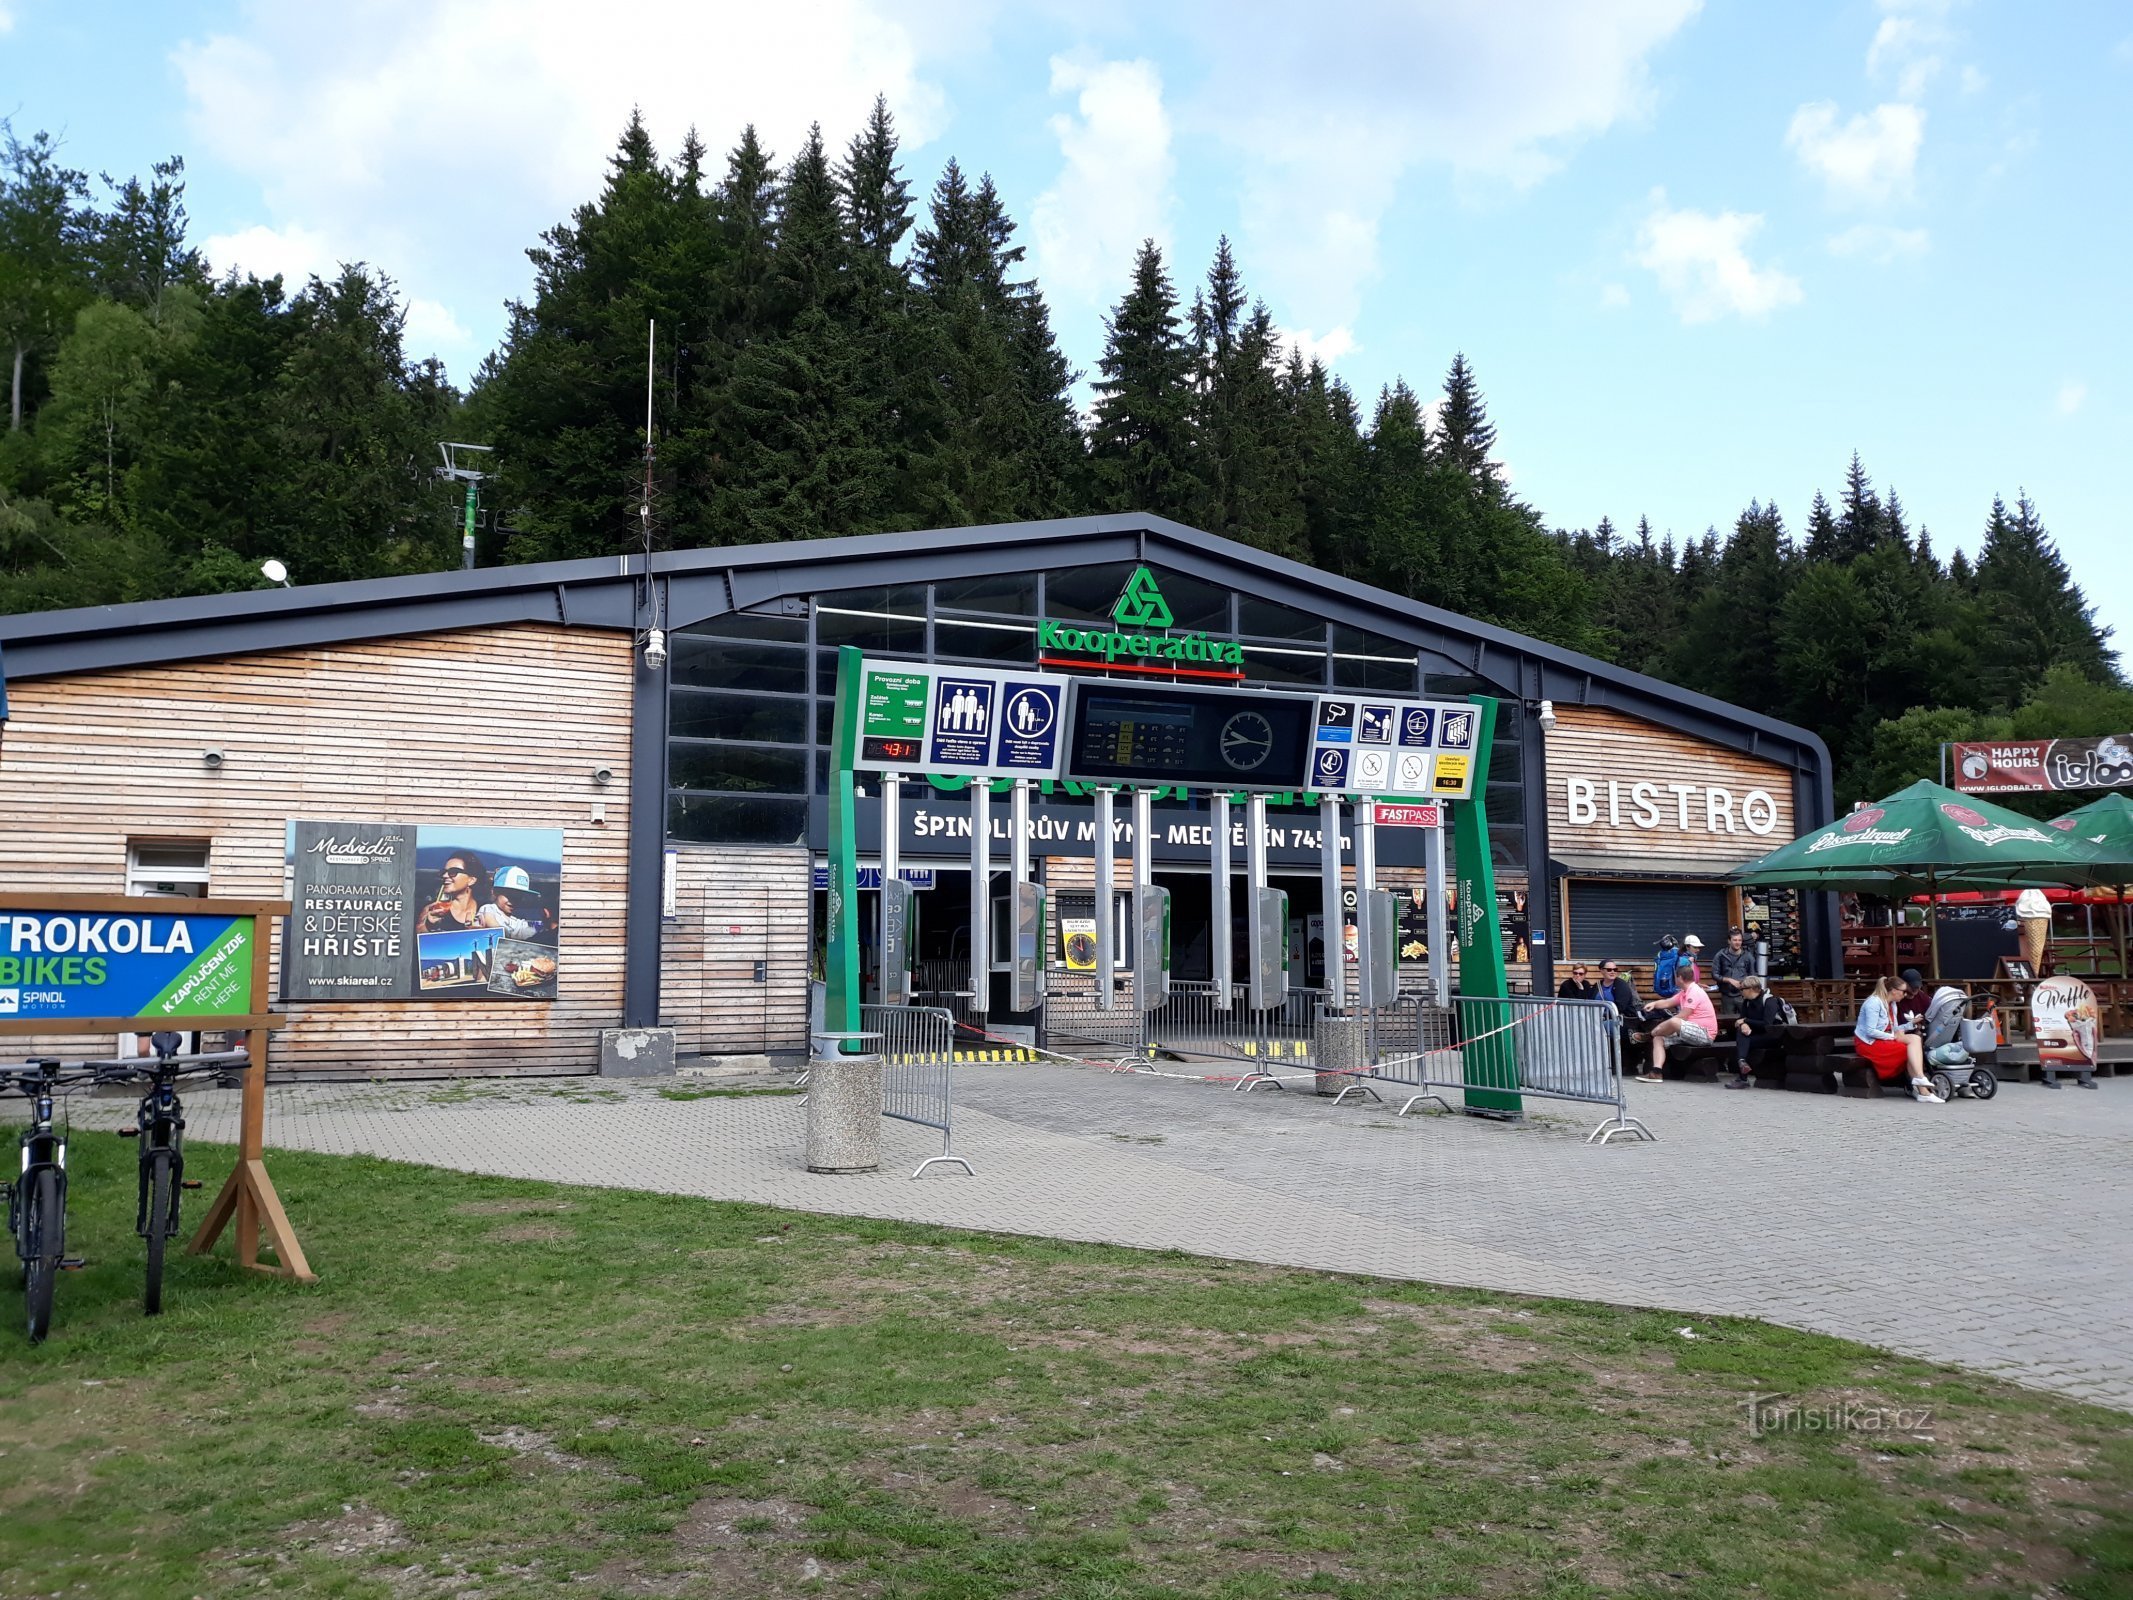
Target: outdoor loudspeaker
<point>899,940</point>
<point>1267,976</point>
<point>1025,968</point>
<point>1151,946</point>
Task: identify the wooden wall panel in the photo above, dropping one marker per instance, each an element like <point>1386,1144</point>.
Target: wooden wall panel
<point>1597,747</point>
<point>498,727</point>
<point>735,906</point>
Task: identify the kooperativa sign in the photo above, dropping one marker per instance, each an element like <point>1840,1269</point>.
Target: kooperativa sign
<point>64,964</point>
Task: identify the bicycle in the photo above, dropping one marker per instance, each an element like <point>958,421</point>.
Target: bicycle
<point>37,1198</point>
<point>159,1124</point>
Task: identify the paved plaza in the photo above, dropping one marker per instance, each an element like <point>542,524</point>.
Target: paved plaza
<point>1995,1235</point>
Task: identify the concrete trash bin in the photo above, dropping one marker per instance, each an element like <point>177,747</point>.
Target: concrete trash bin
<point>844,1113</point>
<point>1343,1051</point>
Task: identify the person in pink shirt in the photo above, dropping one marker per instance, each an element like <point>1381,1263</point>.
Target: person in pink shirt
<point>1694,1022</point>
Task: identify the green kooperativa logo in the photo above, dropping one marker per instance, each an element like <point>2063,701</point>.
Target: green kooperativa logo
<point>1141,608</point>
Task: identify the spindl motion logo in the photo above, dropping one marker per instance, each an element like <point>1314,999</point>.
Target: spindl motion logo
<point>1141,608</point>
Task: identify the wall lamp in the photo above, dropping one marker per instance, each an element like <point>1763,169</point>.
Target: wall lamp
<point>1547,715</point>
<point>655,649</point>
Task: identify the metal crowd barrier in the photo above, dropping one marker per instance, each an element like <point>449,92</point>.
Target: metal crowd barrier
<point>917,1083</point>
<point>1537,1047</point>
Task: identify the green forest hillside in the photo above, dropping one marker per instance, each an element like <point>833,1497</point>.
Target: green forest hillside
<point>835,355</point>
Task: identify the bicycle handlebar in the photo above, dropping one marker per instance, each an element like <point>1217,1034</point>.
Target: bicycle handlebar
<point>220,1061</point>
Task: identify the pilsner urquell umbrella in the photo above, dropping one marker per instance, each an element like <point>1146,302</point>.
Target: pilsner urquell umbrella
<point>1927,838</point>
<point>2107,824</point>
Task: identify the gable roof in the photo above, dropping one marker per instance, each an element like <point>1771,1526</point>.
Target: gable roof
<point>692,585</point>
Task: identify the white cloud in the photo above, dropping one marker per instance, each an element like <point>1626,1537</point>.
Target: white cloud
<point>1907,46</point>
<point>7,17</point>
<point>1878,243</point>
<point>1325,348</point>
<point>1327,108</point>
<point>431,328</point>
<point>2073,394</point>
<point>1614,296</point>
<point>1701,261</point>
<point>1113,190</point>
<point>1974,80</point>
<point>1868,160</point>
<point>294,254</point>
<point>440,122</point>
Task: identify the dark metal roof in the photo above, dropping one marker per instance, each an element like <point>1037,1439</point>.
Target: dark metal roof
<point>605,592</point>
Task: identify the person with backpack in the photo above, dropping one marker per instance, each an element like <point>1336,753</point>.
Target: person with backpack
<point>1665,966</point>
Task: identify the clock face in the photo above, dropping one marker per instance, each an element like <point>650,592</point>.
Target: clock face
<point>1247,740</point>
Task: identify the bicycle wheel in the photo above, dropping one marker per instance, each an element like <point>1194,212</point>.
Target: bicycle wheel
<point>41,1228</point>
<point>161,1178</point>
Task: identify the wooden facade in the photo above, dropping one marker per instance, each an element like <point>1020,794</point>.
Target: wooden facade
<point>491,727</point>
<point>1621,786</point>
<point>735,907</point>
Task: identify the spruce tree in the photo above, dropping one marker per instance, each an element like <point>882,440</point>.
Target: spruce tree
<point>1464,434</point>
<point>1863,524</point>
<point>1824,543</point>
<point>1141,441</point>
<point>2033,616</point>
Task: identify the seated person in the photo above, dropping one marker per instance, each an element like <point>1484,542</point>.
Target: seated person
<point>1694,1022</point>
<point>1617,990</point>
<point>1578,986</point>
<point>1755,1035</point>
<point>1878,1036</point>
<point>1912,1008</point>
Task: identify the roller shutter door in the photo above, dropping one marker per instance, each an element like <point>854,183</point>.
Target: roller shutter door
<point>1627,920</point>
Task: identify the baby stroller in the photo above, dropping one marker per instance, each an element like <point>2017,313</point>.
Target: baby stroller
<point>1951,1035</point>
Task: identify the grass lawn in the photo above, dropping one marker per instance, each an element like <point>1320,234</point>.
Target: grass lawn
<point>505,1388</point>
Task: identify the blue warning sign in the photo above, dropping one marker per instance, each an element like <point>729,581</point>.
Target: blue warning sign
<point>1377,725</point>
<point>1029,727</point>
<point>1329,769</point>
<point>1417,725</point>
<point>962,722</point>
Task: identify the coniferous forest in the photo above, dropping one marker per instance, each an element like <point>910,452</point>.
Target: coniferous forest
<point>837,354</point>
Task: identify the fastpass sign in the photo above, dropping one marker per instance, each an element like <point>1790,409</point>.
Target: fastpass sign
<point>66,964</point>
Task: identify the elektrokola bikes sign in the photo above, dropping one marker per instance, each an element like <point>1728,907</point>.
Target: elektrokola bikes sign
<point>68,964</point>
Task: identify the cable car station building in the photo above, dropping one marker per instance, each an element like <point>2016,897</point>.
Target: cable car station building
<point>519,807</point>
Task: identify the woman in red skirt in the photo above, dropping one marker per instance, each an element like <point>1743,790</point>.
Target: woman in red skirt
<point>1884,1046</point>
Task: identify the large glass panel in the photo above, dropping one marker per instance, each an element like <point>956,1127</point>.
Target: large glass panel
<point>1358,642</point>
<point>752,625</point>
<point>1506,804</point>
<point>1011,594</point>
<point>982,642</point>
<point>901,600</point>
<point>736,819</point>
<point>758,718</point>
<point>1507,846</point>
<point>1195,606</point>
<point>698,662</point>
<point>1265,620</point>
<point>1389,677</point>
<point>736,768</point>
<point>1085,594</point>
<point>1284,666</point>
<point>871,631</point>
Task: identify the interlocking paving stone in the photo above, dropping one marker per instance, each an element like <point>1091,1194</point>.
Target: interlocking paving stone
<point>1994,1235</point>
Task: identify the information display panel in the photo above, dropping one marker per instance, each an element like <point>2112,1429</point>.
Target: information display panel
<point>1122,733</point>
<point>1365,745</point>
<point>922,718</point>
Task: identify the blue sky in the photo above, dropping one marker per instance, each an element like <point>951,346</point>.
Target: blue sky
<point>1697,253</point>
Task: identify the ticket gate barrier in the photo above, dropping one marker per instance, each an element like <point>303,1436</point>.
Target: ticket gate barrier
<point>1378,974</point>
<point>899,940</point>
<point>1151,946</point>
<point>1027,930</point>
<point>1267,978</point>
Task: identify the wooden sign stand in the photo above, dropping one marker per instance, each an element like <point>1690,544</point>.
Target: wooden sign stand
<point>248,1197</point>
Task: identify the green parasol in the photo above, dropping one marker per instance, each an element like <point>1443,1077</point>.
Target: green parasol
<point>1927,838</point>
<point>2107,824</point>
